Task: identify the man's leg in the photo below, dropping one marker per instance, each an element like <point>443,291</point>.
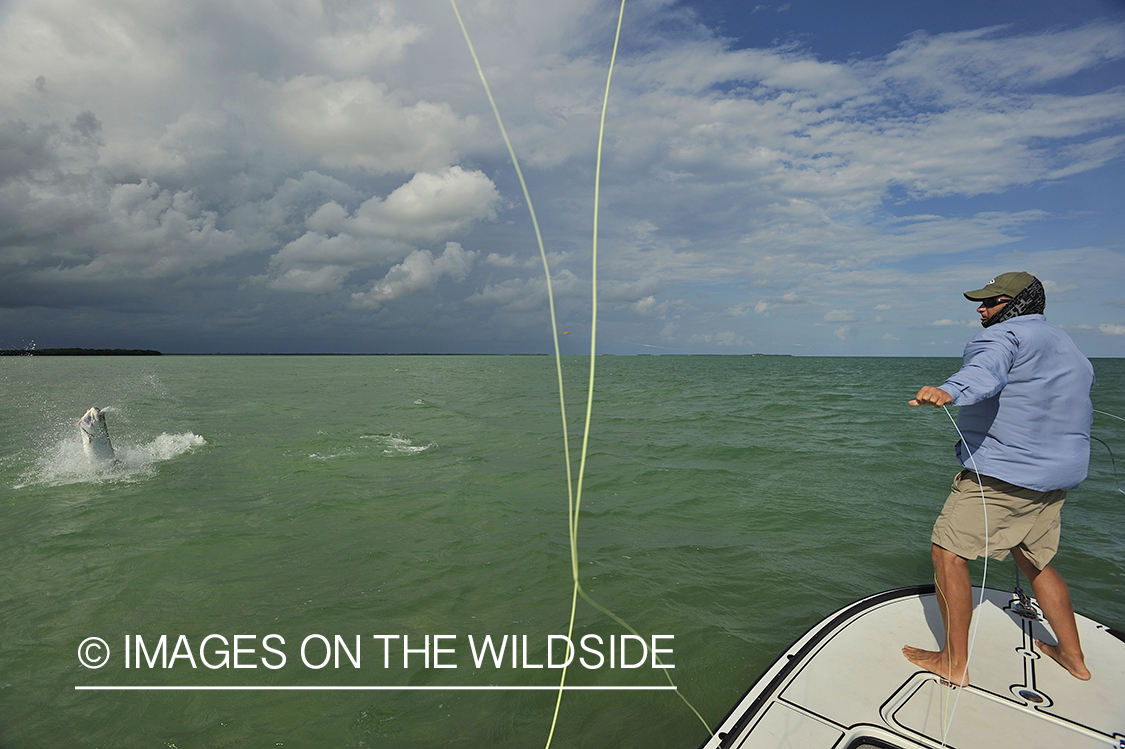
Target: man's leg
<point>955,601</point>
<point>1054,598</point>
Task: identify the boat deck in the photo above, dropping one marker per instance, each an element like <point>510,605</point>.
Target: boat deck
<point>846,684</point>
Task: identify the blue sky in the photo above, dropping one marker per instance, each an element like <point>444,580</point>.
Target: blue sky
<point>811,178</point>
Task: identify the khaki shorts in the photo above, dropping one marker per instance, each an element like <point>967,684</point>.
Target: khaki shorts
<point>1017,517</point>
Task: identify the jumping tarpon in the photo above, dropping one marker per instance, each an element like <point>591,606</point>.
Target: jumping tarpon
<point>95,437</point>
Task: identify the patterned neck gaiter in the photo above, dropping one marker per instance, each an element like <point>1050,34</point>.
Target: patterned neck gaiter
<point>1031,301</point>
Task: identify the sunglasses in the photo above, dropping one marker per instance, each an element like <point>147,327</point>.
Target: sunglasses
<point>994,302</point>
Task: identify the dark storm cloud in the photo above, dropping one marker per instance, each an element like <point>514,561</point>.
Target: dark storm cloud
<point>328,176</point>
<point>24,149</point>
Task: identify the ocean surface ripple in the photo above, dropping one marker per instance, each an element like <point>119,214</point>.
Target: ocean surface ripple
<point>730,502</point>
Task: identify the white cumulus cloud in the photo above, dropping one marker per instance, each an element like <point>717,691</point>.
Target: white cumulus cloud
<point>420,270</point>
<point>841,315</point>
<point>357,122</point>
<point>430,206</point>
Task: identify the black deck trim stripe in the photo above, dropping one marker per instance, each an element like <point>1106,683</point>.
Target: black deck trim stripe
<point>873,741</point>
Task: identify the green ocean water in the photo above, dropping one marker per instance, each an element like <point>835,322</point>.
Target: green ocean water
<point>729,504</point>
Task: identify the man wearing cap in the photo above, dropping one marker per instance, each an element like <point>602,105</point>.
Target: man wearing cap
<point>1024,393</point>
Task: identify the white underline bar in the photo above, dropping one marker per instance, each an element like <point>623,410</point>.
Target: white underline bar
<point>370,689</point>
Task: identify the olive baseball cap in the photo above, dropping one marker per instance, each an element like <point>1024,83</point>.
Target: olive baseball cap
<point>1006,284</point>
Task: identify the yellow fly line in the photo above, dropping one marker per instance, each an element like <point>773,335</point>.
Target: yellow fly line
<point>574,496</point>
<point>947,720</point>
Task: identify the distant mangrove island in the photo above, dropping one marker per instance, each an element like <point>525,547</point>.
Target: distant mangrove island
<point>80,352</point>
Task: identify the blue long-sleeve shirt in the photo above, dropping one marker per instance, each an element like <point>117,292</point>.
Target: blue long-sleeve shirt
<point>1024,393</point>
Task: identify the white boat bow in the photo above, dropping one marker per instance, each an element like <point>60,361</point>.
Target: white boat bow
<point>846,685</point>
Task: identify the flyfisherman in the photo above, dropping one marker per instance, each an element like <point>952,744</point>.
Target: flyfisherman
<point>1024,393</point>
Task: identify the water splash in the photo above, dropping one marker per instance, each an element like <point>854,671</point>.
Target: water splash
<point>394,444</point>
<point>388,445</point>
<point>65,462</point>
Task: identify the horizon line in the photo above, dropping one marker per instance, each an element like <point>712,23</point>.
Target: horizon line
<point>369,688</point>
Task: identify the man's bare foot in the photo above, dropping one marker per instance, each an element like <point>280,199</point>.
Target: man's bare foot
<point>937,663</point>
<point>1076,666</point>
